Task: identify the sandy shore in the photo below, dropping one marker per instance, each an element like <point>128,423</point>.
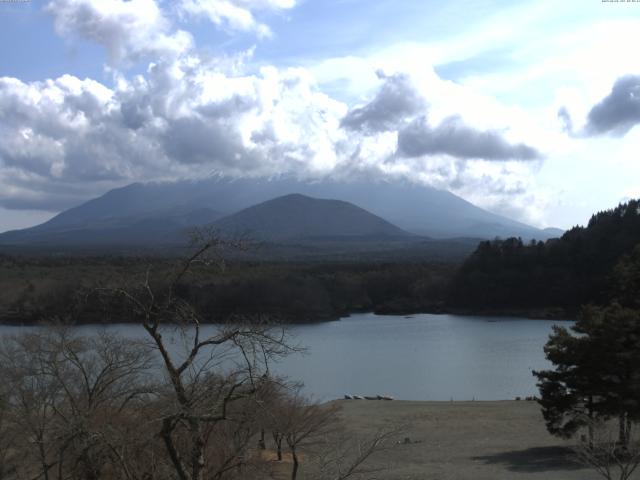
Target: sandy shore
<point>465,440</point>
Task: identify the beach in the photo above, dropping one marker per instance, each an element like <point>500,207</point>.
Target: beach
<point>464,440</point>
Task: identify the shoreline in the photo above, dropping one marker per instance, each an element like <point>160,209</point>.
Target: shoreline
<point>435,402</point>
<point>558,314</point>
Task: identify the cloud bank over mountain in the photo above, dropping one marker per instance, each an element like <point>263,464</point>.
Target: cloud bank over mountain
<point>170,106</point>
<point>453,137</point>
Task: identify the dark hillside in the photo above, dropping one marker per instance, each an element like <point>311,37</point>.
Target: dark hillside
<point>565,272</point>
<point>300,217</point>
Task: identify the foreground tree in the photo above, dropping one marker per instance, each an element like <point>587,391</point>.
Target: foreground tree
<point>70,401</point>
<point>625,280</point>
<point>301,424</point>
<point>220,369</point>
<point>7,437</point>
<point>606,455</point>
<point>596,375</point>
<point>341,457</point>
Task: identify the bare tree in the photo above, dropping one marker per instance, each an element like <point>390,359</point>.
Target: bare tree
<point>30,403</point>
<point>216,370</point>
<point>304,423</point>
<point>607,454</point>
<point>341,456</point>
<point>8,436</point>
<point>67,398</point>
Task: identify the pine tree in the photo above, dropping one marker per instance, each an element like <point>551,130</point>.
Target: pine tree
<point>597,372</point>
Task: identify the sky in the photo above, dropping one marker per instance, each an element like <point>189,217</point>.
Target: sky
<point>530,109</point>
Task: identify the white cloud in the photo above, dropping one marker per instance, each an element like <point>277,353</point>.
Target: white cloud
<point>128,30</point>
<point>234,14</point>
<point>184,118</point>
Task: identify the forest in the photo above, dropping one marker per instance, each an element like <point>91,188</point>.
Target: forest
<point>33,288</point>
<point>584,266</point>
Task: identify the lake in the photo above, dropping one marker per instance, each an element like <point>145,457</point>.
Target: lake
<point>416,357</point>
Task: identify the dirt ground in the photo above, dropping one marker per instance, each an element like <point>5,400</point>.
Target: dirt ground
<point>465,440</point>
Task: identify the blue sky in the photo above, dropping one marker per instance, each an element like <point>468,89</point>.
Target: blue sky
<point>462,95</point>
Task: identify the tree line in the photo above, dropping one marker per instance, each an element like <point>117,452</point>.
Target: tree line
<point>287,292</point>
<point>568,272</point>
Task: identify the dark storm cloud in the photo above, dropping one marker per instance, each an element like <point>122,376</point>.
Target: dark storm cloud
<point>619,111</point>
<point>199,141</point>
<point>452,137</point>
<point>396,100</point>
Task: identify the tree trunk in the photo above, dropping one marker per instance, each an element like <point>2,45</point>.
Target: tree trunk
<point>294,470</point>
<point>590,410</point>
<point>261,444</point>
<point>197,451</point>
<point>277,438</point>
<point>623,436</point>
<point>166,433</point>
<point>43,459</point>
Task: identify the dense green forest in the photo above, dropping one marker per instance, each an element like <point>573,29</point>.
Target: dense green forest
<point>576,269</point>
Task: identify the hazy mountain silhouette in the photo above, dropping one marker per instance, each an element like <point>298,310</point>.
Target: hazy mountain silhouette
<point>156,213</point>
<point>156,227</point>
<point>553,232</point>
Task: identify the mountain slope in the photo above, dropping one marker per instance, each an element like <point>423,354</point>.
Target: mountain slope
<point>168,226</point>
<point>297,217</point>
<point>418,209</point>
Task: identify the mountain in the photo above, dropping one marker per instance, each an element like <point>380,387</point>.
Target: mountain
<point>299,217</point>
<point>156,213</point>
<point>137,229</point>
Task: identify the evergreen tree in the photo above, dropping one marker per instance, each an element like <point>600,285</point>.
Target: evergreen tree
<point>597,372</point>
<point>626,280</point>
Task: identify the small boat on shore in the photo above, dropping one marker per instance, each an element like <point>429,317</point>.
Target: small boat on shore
<point>368,397</point>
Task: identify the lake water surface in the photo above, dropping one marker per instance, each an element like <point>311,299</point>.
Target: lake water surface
<point>417,357</point>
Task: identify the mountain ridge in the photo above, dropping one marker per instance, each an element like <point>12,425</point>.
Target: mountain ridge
<point>417,209</point>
